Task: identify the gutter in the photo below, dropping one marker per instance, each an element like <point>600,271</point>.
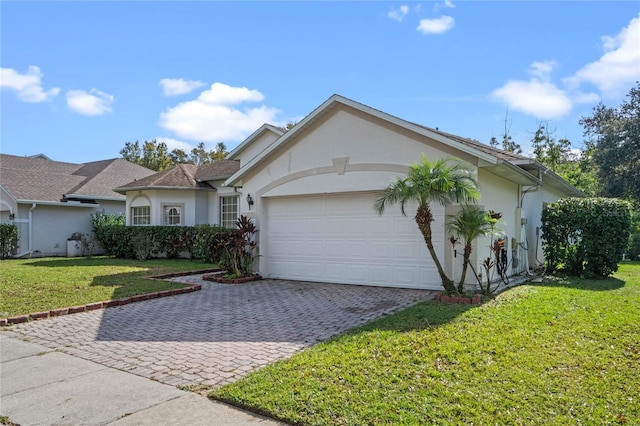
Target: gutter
<point>57,203</point>
<point>154,188</point>
<point>91,197</point>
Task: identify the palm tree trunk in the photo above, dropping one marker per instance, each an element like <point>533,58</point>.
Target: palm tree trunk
<point>465,264</point>
<point>423,218</point>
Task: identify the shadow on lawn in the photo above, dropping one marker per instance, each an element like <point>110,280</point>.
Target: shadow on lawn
<point>606,284</point>
<point>123,284</point>
<point>422,316</point>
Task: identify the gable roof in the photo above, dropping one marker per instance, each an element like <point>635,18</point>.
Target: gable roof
<point>38,179</point>
<point>505,163</point>
<point>184,176</point>
<point>261,131</point>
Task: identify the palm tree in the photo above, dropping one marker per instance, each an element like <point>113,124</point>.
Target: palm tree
<point>469,223</point>
<point>431,182</point>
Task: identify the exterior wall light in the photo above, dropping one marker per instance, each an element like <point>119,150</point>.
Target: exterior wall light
<point>249,200</point>
<point>12,216</point>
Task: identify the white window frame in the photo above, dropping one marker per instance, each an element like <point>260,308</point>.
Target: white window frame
<point>227,202</point>
<point>138,218</point>
<point>165,211</point>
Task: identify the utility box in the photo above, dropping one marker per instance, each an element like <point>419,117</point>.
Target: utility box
<point>74,248</point>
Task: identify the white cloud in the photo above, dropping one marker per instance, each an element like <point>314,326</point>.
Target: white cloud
<point>436,26</point>
<point>218,115</point>
<point>541,99</point>
<point>542,70</point>
<point>28,85</point>
<point>178,86</point>
<point>93,102</point>
<point>446,4</point>
<point>399,13</point>
<point>615,71</point>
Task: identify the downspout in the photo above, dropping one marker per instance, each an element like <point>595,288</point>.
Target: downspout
<point>29,251</point>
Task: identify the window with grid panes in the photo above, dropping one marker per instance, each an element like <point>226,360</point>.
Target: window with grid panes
<point>172,215</point>
<point>141,215</point>
<point>228,211</point>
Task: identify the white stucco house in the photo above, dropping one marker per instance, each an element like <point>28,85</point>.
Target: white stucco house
<point>311,191</point>
<point>185,195</point>
<point>50,200</point>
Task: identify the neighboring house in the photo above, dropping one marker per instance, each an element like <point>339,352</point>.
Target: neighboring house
<point>50,200</point>
<point>185,195</point>
<point>311,192</point>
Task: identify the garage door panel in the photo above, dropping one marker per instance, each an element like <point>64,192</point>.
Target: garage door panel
<point>340,238</point>
<point>335,226</point>
<point>380,250</point>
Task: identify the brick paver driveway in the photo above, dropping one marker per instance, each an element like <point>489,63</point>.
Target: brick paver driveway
<point>219,334</point>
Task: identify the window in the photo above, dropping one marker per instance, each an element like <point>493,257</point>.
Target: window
<point>172,215</point>
<point>140,215</point>
<point>228,212</point>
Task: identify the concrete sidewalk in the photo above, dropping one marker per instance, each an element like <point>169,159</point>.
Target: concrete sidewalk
<point>39,386</point>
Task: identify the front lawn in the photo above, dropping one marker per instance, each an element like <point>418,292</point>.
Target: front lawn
<point>36,285</point>
<point>556,353</point>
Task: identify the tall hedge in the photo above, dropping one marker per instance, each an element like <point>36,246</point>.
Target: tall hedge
<point>585,236</point>
<point>8,240</point>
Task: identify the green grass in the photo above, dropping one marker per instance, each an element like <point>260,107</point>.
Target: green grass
<point>36,285</point>
<point>557,353</point>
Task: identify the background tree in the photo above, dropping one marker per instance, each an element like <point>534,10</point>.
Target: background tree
<point>431,182</point>
<point>614,138</point>
<point>508,144</point>
<point>156,156</point>
<point>574,165</point>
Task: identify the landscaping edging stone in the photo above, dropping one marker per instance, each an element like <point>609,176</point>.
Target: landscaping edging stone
<point>18,319</point>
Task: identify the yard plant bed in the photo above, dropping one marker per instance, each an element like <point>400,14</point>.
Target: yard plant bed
<point>45,284</point>
<point>555,353</point>
<point>219,277</point>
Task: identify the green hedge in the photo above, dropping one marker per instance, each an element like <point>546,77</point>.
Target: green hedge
<point>585,236</point>
<point>8,240</point>
<point>143,242</point>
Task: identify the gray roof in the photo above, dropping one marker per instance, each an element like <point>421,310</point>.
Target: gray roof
<point>185,176</point>
<point>40,179</point>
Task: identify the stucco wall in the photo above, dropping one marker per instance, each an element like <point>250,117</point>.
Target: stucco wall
<point>256,146</point>
<point>532,206</point>
<point>198,206</point>
<point>52,225</point>
<point>369,153</point>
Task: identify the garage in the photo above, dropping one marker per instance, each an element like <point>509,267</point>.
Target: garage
<point>339,238</point>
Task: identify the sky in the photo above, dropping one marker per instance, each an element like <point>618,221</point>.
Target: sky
<point>80,79</point>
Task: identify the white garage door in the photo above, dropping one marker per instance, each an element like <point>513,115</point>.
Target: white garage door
<point>341,239</point>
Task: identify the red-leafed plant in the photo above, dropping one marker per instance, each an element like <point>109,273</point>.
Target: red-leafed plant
<point>238,251</point>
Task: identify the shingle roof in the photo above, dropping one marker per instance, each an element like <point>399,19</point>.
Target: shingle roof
<point>185,176</point>
<point>39,179</point>
<point>500,153</point>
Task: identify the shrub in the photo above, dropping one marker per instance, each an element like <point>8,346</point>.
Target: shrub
<point>205,242</point>
<point>585,236</point>
<point>633,249</point>
<point>8,240</point>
